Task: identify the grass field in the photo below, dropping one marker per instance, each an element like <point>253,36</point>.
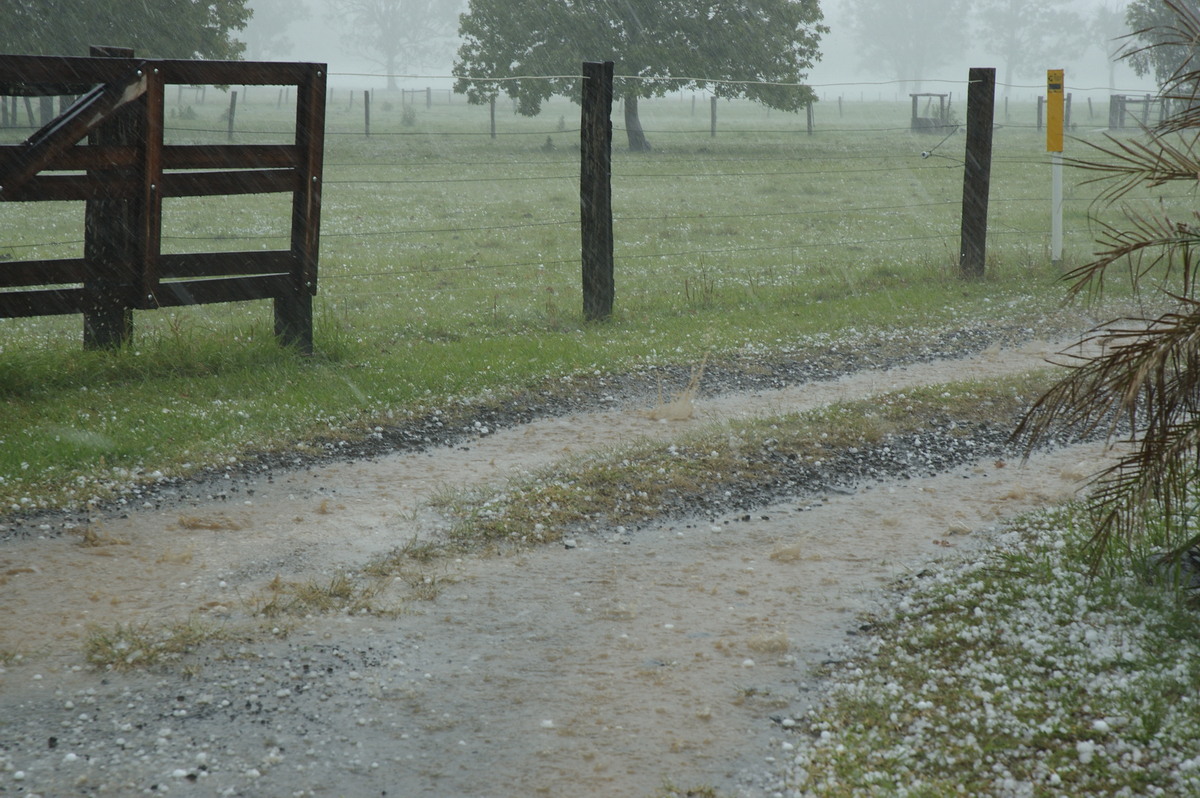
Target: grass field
<point>449,268</point>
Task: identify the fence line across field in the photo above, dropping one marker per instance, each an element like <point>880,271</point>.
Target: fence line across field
<point>758,156</point>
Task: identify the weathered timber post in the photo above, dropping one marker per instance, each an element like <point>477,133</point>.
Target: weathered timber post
<point>1041,101</point>
<point>293,307</point>
<point>367,112</point>
<point>713,115</point>
<point>809,114</point>
<point>428,97</point>
<point>109,240</point>
<point>595,190</point>
<point>977,171</point>
<point>492,108</point>
<point>232,111</point>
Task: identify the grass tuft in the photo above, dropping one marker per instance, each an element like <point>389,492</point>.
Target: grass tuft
<point>345,593</point>
<point>125,647</point>
<point>646,480</point>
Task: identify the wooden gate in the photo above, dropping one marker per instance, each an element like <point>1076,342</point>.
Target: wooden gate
<point>108,150</point>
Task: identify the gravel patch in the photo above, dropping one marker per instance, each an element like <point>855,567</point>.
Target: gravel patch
<point>469,418</point>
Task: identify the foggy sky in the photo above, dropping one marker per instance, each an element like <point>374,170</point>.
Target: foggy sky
<point>839,63</point>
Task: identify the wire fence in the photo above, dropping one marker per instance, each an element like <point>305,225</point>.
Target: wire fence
<point>442,210</point>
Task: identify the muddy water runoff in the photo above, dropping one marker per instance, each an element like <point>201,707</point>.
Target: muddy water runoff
<point>599,669</point>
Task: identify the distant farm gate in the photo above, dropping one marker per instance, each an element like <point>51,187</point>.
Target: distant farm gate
<point>124,172</point>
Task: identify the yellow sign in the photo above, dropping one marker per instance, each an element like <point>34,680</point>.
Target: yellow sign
<point>1054,110</point>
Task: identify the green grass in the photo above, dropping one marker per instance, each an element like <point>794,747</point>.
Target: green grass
<point>125,647</point>
<point>631,484</point>
<point>449,269</point>
<point>1016,674</point>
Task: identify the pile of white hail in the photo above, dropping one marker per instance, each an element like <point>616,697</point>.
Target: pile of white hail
<point>1014,674</point>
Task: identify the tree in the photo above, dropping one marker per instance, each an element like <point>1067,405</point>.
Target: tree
<point>1109,29</point>
<point>904,40</point>
<point>1148,370</point>
<point>1027,35</point>
<point>266,35</point>
<point>1157,45</point>
<point>395,33</point>
<point>533,49</point>
<point>153,28</point>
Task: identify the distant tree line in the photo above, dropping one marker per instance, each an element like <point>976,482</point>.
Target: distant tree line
<point>153,28</point>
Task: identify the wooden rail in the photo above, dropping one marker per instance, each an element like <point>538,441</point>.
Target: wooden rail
<point>110,142</point>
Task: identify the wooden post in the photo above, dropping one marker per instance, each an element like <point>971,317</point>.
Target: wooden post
<point>232,111</point>
<point>713,116</point>
<point>839,106</point>
<point>293,308</point>
<point>915,112</point>
<point>810,117</point>
<point>1041,101</point>
<point>428,97</point>
<point>110,235</point>
<point>595,190</point>
<point>367,112</point>
<point>977,171</point>
<point>492,107</point>
<point>1067,113</point>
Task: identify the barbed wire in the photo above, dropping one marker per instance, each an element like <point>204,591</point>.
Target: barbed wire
<point>851,210</point>
<point>688,80</point>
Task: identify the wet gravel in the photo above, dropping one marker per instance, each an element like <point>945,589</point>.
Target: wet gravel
<point>313,703</point>
<point>463,421</point>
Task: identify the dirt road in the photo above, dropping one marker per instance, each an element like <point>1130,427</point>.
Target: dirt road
<point>602,668</point>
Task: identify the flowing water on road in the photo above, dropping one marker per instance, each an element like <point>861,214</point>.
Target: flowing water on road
<point>598,669</point>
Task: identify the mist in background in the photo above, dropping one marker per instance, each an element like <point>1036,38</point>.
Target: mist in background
<point>937,31</point>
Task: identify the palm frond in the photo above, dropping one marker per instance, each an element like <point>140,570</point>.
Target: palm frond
<point>1130,163</point>
<point>1146,379</point>
<point>1155,247</point>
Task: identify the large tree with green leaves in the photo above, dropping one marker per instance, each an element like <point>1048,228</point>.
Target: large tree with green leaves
<point>153,28</point>
<point>1159,45</point>
<point>532,49</point>
<point>906,39</point>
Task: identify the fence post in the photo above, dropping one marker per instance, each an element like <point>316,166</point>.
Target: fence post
<point>1041,101</point>
<point>713,115</point>
<point>293,306</point>
<point>809,114</point>
<point>977,171</point>
<point>232,111</point>
<point>428,97</point>
<point>492,106</point>
<point>595,190</point>
<point>367,112</point>
<point>110,238</point>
